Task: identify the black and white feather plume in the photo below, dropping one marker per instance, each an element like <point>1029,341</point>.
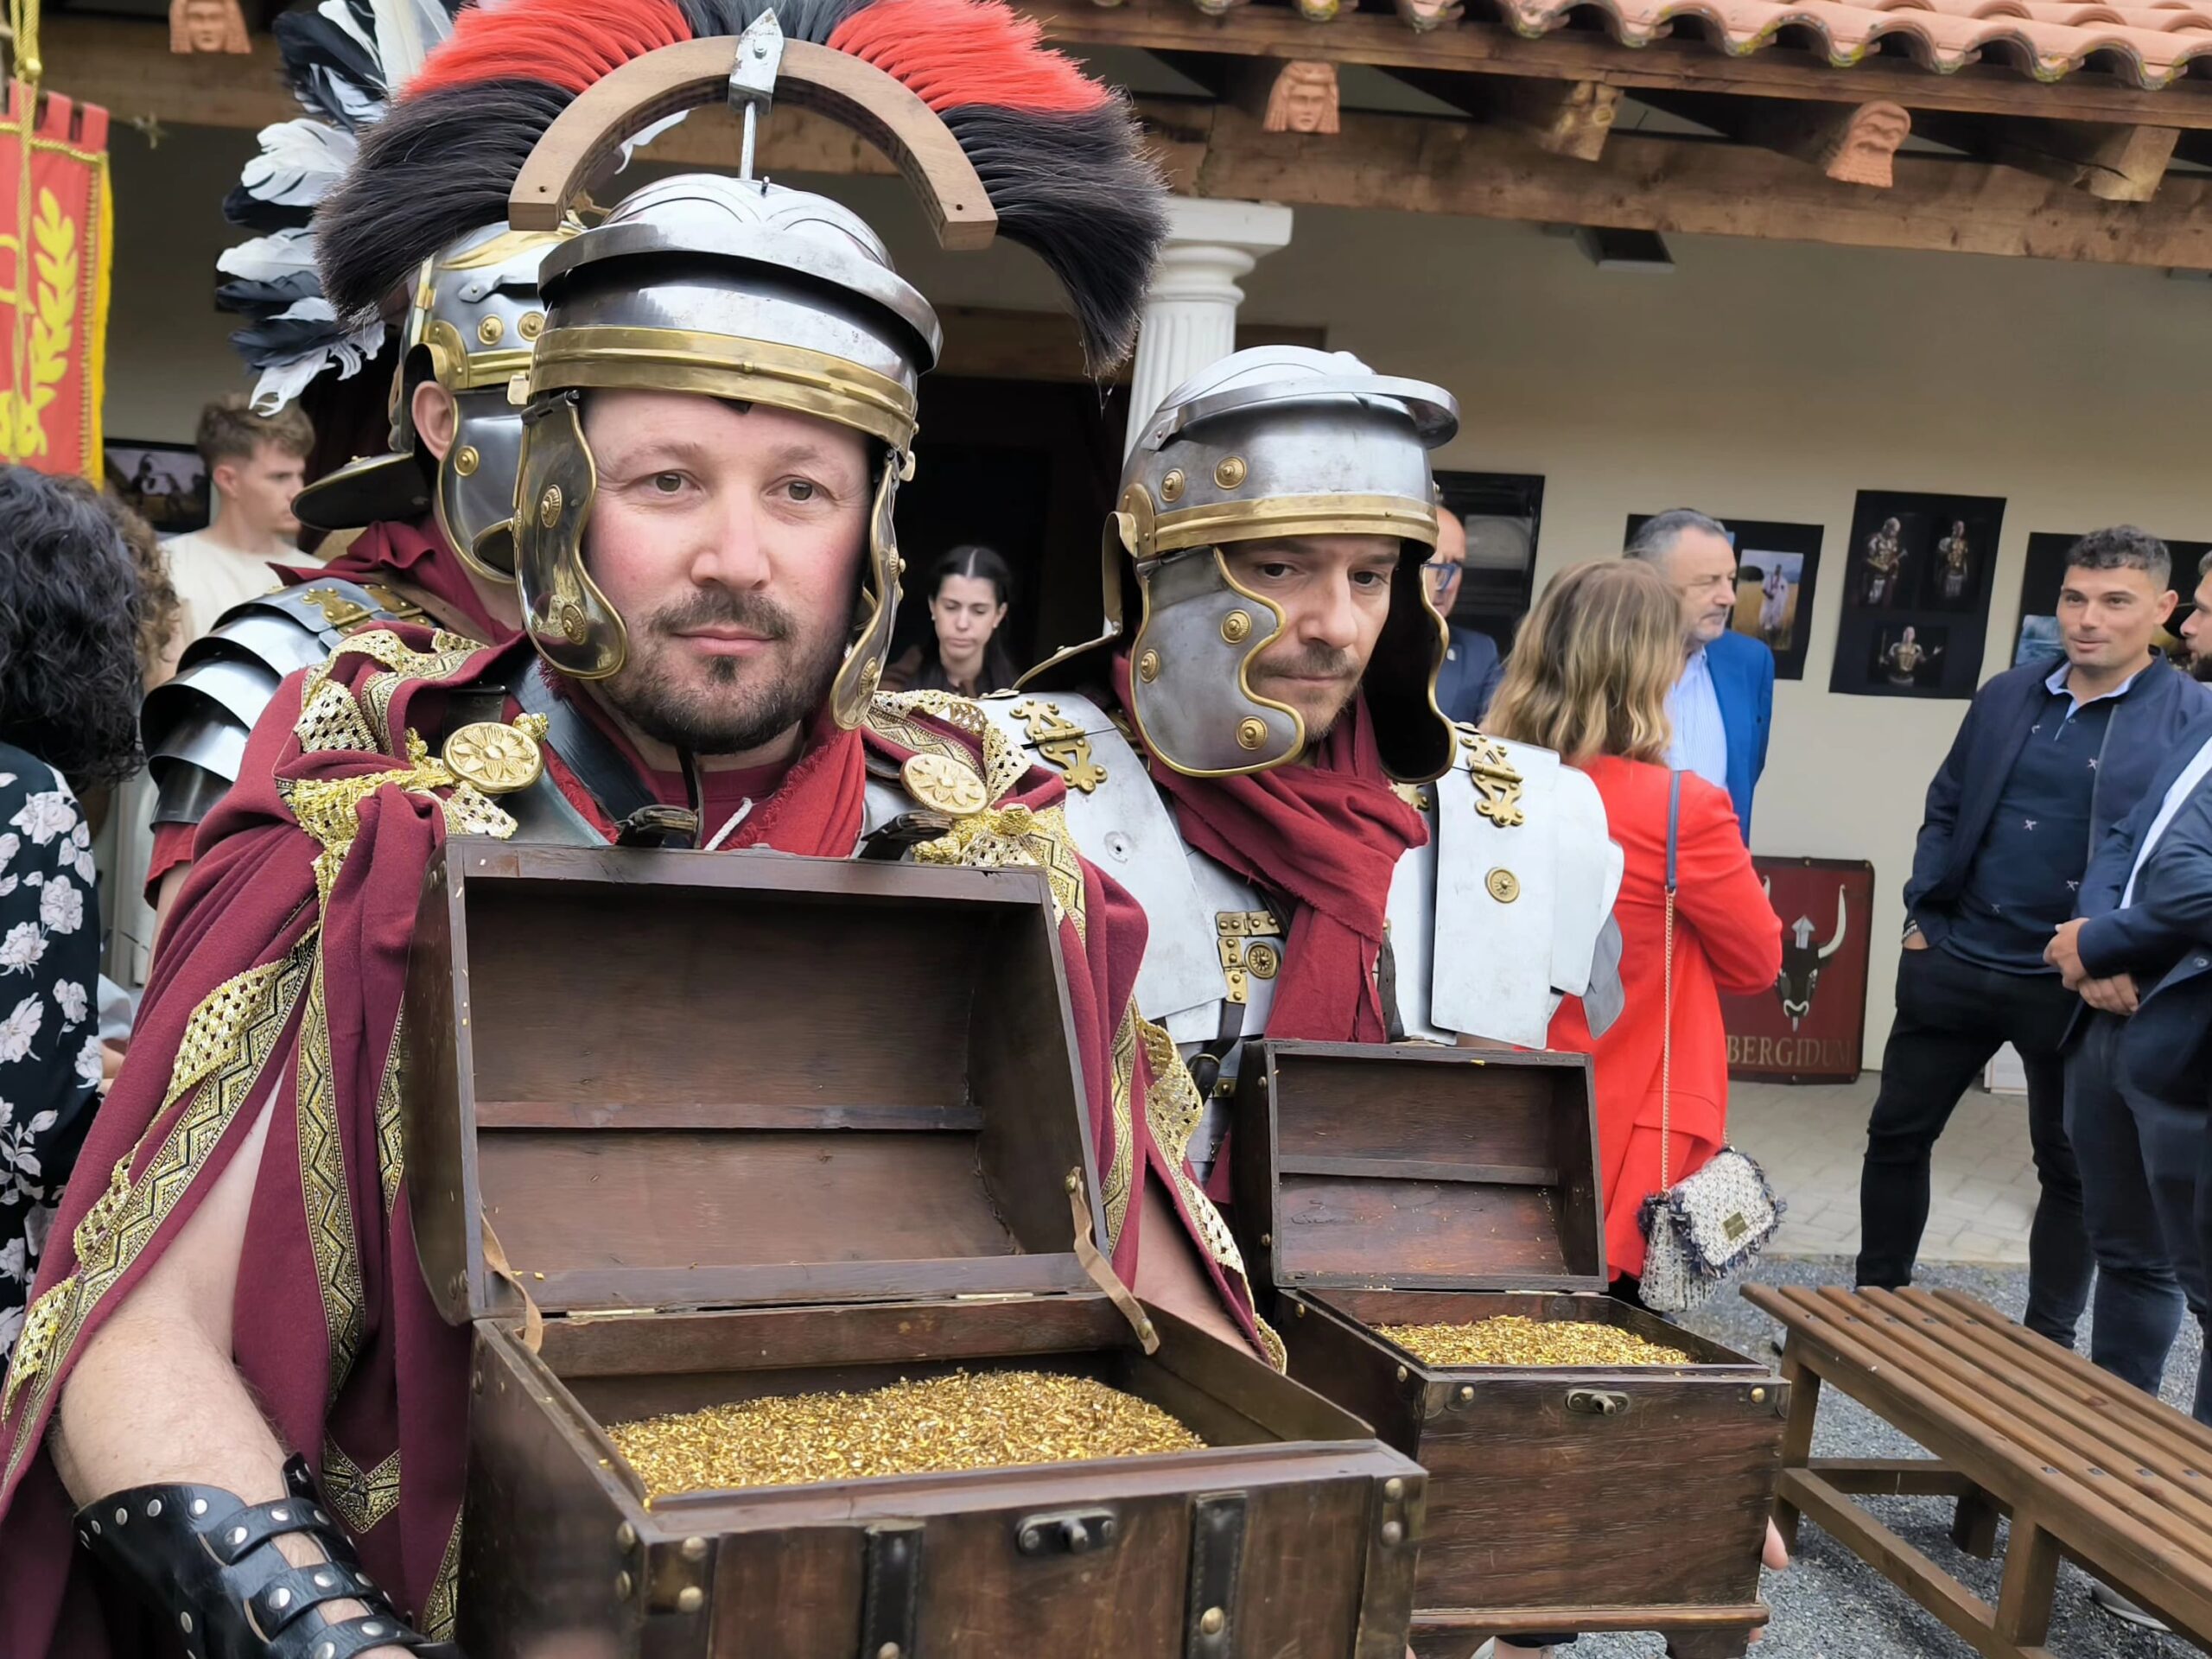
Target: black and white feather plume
<point>343,61</point>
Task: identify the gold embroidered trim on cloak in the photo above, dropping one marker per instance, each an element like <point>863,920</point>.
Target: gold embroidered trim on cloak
<point>1001,837</point>
<point>361,1496</point>
<point>391,1146</point>
<point>439,1611</point>
<point>211,1035</point>
<point>1173,1109</point>
<point>324,1192</point>
<point>448,652</point>
<point>890,717</point>
<point>1117,1182</point>
<point>328,808</point>
<point>255,1009</point>
<point>331,720</point>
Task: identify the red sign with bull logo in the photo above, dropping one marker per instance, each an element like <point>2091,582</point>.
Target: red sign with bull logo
<point>1812,1025</point>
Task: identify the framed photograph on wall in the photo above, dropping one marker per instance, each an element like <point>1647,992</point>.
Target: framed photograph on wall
<point>1917,573</point>
<point>166,484</point>
<point>2045,574</point>
<point>1811,1028</point>
<point>1501,513</point>
<point>1776,568</point>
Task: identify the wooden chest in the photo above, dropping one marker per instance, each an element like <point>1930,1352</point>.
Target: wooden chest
<point>1399,1185</point>
<point>745,1125</point>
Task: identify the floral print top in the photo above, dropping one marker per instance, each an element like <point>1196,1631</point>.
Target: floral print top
<point>49,1019</point>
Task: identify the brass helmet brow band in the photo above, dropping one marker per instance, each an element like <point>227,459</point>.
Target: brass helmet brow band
<point>606,357</point>
<point>1276,517</point>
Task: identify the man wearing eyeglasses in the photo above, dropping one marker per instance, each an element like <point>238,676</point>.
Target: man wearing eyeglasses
<point>1469,678</point>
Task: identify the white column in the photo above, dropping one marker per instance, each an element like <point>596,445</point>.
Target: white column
<point>1190,316</point>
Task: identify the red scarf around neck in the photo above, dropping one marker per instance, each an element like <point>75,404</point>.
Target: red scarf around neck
<point>1328,834</point>
<point>815,811</point>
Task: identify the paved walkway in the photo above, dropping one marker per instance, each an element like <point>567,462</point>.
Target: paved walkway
<point>1809,1140</point>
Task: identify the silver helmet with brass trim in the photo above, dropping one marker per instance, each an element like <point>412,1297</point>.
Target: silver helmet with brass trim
<point>732,288</point>
<point>1269,443</point>
<point>472,316</point>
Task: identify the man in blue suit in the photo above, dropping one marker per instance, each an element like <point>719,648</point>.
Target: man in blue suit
<point>1724,703</point>
<point>1469,679</point>
<point>2139,952</point>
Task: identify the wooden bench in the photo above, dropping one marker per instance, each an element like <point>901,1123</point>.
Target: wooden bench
<point>2089,1468</point>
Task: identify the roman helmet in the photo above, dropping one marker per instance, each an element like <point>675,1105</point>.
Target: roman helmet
<point>466,316</point>
<point>1267,443</point>
<point>472,314</point>
<point>734,288</point>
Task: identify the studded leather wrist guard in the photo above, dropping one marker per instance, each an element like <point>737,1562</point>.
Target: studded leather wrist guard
<point>209,1562</point>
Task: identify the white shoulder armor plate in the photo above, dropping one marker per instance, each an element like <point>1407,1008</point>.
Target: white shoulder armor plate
<point>1526,875</point>
<point>1120,824</point>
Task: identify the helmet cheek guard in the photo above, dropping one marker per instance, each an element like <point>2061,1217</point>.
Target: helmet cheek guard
<point>862,670</point>
<point>1201,633</point>
<point>573,625</point>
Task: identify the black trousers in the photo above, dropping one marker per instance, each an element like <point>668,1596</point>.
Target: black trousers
<point>1952,1018</point>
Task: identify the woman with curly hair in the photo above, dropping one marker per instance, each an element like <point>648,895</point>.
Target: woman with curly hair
<point>69,680</point>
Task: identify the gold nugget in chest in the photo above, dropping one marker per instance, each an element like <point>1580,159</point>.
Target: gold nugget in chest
<point>1511,1340</point>
<point>993,1421</point>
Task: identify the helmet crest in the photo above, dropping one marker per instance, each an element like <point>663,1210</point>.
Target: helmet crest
<point>1059,154</point>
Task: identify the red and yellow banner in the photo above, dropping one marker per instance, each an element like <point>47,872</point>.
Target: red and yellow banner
<point>56,225</point>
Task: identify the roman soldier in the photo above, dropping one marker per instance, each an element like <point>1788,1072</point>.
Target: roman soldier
<point>233,1376</point>
<point>1885,564</point>
<point>1320,852</point>
<point>427,522</point>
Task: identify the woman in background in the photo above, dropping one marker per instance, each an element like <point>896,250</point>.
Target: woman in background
<point>1589,677</point>
<point>968,589</point>
<point>70,615</point>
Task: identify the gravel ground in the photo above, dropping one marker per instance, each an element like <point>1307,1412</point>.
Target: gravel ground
<point>1829,1604</point>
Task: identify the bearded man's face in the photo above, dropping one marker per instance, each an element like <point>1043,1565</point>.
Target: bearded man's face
<point>729,538</point>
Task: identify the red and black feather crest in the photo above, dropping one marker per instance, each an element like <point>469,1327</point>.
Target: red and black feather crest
<point>1059,153</point>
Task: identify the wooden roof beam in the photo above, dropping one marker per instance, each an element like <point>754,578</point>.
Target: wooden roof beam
<point>1560,117</point>
<point>2112,164</point>
<point>1474,48</point>
<point>1686,186</point>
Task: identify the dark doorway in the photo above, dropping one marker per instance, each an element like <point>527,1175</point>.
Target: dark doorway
<point>1028,467</point>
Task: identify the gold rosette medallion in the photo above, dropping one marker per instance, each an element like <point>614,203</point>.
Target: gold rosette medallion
<point>943,785</point>
<point>497,760</point>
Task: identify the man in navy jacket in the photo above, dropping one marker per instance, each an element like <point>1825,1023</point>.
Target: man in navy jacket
<point>1469,679</point>
<point>1724,703</point>
<point>2140,955</point>
<point>2051,755</point>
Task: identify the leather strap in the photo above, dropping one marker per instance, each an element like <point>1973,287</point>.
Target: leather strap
<point>1386,987</point>
<point>891,1588</point>
<point>1216,1568</point>
<point>640,820</point>
<point>1094,1262</point>
<point>209,1562</point>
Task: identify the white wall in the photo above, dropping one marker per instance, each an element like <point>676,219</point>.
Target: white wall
<point>168,346</point>
<point>1758,380</point>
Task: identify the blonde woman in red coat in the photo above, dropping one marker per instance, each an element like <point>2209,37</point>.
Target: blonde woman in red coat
<point>1589,677</point>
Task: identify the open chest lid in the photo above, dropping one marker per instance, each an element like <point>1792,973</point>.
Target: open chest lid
<point>640,1080</point>
<point>1411,1168</point>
